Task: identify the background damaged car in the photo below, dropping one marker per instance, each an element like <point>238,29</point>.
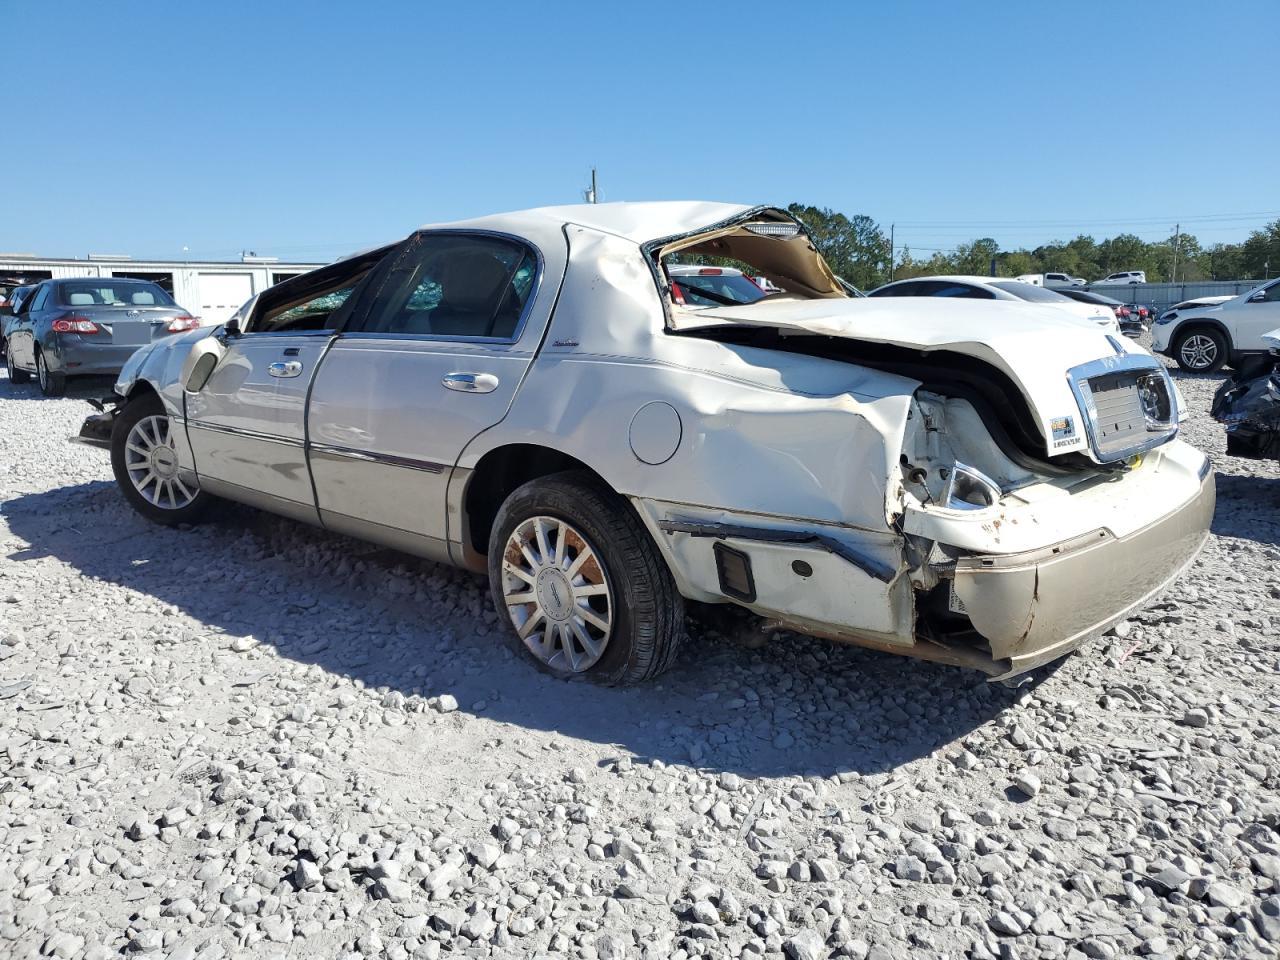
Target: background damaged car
<point>1249,405</point>
<point>981,483</point>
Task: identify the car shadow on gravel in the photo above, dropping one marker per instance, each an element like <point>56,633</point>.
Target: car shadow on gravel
<point>78,388</point>
<point>395,623</point>
<point>1247,508</point>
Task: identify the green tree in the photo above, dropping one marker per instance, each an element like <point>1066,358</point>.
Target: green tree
<point>854,247</point>
<point>976,257</point>
<point>1260,254</point>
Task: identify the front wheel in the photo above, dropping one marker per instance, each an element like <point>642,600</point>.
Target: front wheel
<point>15,375</point>
<point>577,577</point>
<point>51,384</point>
<point>1201,350</point>
<point>144,460</point>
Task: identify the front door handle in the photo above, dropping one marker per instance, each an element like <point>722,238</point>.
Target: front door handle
<point>285,368</point>
<point>471,382</point>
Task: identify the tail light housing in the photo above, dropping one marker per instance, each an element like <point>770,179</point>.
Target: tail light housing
<point>677,295</point>
<point>183,324</point>
<point>74,324</point>
<point>1121,312</point>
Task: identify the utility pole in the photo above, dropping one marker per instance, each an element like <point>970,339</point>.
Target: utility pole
<point>1173,274</point>
<point>892,226</point>
<point>591,195</point>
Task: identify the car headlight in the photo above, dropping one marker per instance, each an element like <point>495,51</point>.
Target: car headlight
<point>1159,406</point>
<point>969,489</point>
<point>1167,318</point>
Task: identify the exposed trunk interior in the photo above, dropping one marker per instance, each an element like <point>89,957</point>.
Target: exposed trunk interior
<point>993,395</point>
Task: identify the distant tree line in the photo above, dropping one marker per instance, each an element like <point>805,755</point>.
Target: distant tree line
<point>857,248</point>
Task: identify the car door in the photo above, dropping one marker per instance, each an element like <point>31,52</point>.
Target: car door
<point>1257,314</point>
<point>245,421</point>
<point>22,330</point>
<point>444,337</point>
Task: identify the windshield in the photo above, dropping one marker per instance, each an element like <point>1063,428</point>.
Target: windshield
<point>1025,291</point>
<point>105,293</point>
<point>716,289</point>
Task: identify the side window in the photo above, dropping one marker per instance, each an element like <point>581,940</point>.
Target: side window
<point>40,298</point>
<point>1271,294</point>
<point>911,289</point>
<point>962,291</point>
<point>310,314</point>
<point>455,285</point>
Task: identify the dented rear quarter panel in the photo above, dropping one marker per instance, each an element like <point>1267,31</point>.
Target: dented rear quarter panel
<point>761,432</point>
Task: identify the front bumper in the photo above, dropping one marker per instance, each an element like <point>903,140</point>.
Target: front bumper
<point>1035,606</point>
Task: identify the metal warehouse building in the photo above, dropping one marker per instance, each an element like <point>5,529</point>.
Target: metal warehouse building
<point>212,290</point>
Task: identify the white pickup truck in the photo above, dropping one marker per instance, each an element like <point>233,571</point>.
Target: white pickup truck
<point>1052,280</point>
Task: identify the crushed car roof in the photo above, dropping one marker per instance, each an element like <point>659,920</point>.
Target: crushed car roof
<point>639,222</point>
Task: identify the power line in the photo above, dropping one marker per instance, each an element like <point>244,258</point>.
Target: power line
<point>1204,218</point>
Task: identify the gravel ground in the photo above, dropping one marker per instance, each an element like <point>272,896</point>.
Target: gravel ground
<point>258,739</point>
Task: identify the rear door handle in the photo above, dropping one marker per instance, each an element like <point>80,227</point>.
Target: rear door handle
<point>471,382</point>
<point>285,368</point>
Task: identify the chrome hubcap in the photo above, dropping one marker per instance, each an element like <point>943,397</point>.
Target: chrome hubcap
<point>1199,351</point>
<point>151,460</point>
<point>557,594</point>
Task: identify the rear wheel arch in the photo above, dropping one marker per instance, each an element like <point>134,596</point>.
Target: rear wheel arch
<point>495,477</point>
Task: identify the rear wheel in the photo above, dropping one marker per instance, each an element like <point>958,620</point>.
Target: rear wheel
<point>51,384</point>
<point>1201,350</point>
<point>576,576</point>
<point>144,460</point>
<point>15,375</point>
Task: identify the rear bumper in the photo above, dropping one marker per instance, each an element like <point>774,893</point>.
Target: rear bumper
<point>80,356</point>
<point>1036,606</point>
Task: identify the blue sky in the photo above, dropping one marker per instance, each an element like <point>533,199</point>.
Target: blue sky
<point>308,130</point>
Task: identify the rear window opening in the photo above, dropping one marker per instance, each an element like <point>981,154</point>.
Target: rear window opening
<point>764,254</point>
<point>105,293</point>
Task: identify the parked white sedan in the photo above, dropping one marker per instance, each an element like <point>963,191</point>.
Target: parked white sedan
<point>981,483</point>
<point>995,288</point>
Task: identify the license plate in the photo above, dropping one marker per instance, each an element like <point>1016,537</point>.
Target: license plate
<point>954,603</point>
<point>131,334</point>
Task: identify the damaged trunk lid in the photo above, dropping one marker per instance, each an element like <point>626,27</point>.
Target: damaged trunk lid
<point>1035,347</point>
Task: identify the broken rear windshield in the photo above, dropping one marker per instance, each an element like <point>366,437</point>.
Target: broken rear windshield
<point>719,289</point>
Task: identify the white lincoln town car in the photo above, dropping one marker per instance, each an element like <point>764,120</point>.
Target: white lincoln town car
<point>985,484</point>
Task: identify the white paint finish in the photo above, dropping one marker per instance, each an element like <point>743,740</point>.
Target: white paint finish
<point>1013,337</point>
<point>242,396</point>
<point>778,439</point>
<point>1246,319</point>
<point>837,593</point>
<point>655,432</point>
<point>802,437</point>
<point>636,222</point>
<point>1053,511</point>
<point>387,397</point>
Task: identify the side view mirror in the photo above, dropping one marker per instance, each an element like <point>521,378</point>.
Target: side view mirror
<point>1259,297</point>
<point>201,362</point>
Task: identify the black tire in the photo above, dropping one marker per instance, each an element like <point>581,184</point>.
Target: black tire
<point>137,410</point>
<point>648,611</point>
<point>1201,342</point>
<point>51,384</point>
<point>15,375</point>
